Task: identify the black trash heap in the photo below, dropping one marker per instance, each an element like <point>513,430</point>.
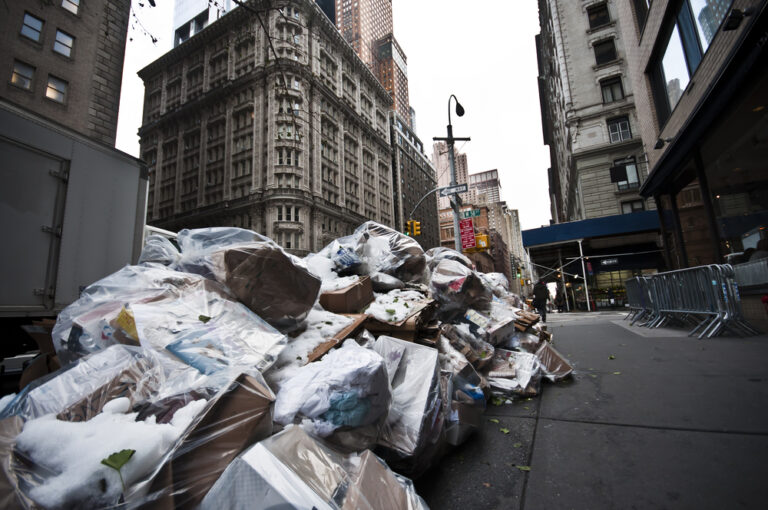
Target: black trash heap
<point>223,372</point>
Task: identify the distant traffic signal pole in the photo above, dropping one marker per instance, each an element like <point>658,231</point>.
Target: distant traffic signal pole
<point>451,140</point>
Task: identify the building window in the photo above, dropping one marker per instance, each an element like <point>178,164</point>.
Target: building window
<point>22,75</point>
<point>694,27</point>
<point>279,213</point>
<point>598,16</point>
<point>632,206</point>
<point>612,90</point>
<point>618,129</point>
<point>63,43</point>
<point>56,90</point>
<point>32,27</point>
<point>288,213</point>
<point>632,182</point>
<point>605,51</point>
<point>71,5</point>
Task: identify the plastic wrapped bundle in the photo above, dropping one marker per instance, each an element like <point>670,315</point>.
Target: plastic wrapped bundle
<point>79,392</point>
<point>159,250</point>
<point>414,428</point>
<point>385,250</point>
<point>457,288</point>
<point>514,374</point>
<point>207,331</point>
<point>346,396</point>
<point>435,255</point>
<point>293,470</point>
<point>111,429</point>
<point>477,351</point>
<point>275,285</point>
<point>92,322</point>
<point>497,282</point>
<point>179,314</point>
<point>523,341</point>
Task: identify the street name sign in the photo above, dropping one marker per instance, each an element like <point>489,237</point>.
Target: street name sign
<point>453,190</point>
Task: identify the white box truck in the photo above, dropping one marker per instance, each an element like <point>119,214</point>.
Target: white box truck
<point>72,210</point>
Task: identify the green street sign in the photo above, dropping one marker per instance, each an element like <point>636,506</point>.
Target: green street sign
<point>471,213</point>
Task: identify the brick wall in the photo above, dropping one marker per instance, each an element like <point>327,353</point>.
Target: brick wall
<point>93,71</point>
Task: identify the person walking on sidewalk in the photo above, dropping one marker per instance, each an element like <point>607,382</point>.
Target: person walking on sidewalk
<point>540,299</point>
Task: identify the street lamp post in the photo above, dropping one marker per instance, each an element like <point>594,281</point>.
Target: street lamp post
<point>450,140</point>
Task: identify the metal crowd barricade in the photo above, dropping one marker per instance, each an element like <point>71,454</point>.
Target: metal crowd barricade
<point>705,298</point>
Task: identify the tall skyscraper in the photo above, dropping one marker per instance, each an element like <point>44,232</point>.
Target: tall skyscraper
<point>367,27</point>
<point>413,178</point>
<point>64,61</point>
<point>363,23</point>
<point>486,185</point>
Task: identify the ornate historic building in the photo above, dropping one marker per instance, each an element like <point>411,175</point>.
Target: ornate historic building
<point>287,135</point>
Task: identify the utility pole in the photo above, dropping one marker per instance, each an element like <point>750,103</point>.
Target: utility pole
<point>450,140</point>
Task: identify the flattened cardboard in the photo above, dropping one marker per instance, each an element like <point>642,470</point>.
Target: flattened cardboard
<point>352,330</point>
<point>350,299</point>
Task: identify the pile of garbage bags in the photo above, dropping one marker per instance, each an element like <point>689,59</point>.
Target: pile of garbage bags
<point>210,376</point>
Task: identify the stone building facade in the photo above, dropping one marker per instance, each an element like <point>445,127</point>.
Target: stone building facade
<point>63,59</point>
<point>589,116</point>
<point>292,143</point>
<point>413,177</point>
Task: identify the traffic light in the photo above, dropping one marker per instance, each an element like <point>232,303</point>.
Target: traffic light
<point>416,228</point>
<point>409,227</point>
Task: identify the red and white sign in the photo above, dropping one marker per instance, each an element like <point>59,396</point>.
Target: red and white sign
<point>467,229</point>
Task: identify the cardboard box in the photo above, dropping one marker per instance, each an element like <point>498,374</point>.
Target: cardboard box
<point>239,417</point>
<point>500,331</point>
<point>352,299</point>
<point>40,332</point>
<point>42,365</point>
<point>553,364</point>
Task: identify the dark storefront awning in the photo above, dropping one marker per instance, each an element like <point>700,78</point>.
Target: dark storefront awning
<point>596,227</point>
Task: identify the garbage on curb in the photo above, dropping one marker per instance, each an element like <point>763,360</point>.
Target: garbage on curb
<point>294,470</point>
<point>370,359</point>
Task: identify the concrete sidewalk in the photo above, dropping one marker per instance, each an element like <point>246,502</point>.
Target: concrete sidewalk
<point>670,422</point>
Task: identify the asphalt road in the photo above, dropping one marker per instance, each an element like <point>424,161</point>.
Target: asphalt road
<point>670,422</point>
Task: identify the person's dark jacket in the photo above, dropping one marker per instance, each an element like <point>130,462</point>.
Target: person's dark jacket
<point>540,294</point>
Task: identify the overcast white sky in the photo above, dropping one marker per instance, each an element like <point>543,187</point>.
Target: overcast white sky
<point>482,51</point>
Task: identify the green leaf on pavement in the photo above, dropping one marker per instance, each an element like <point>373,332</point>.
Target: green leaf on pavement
<point>493,420</point>
<point>517,445</point>
<point>593,376</point>
<point>523,468</point>
<point>505,430</point>
<point>526,407</point>
<point>497,401</point>
<point>617,373</point>
<point>611,357</point>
